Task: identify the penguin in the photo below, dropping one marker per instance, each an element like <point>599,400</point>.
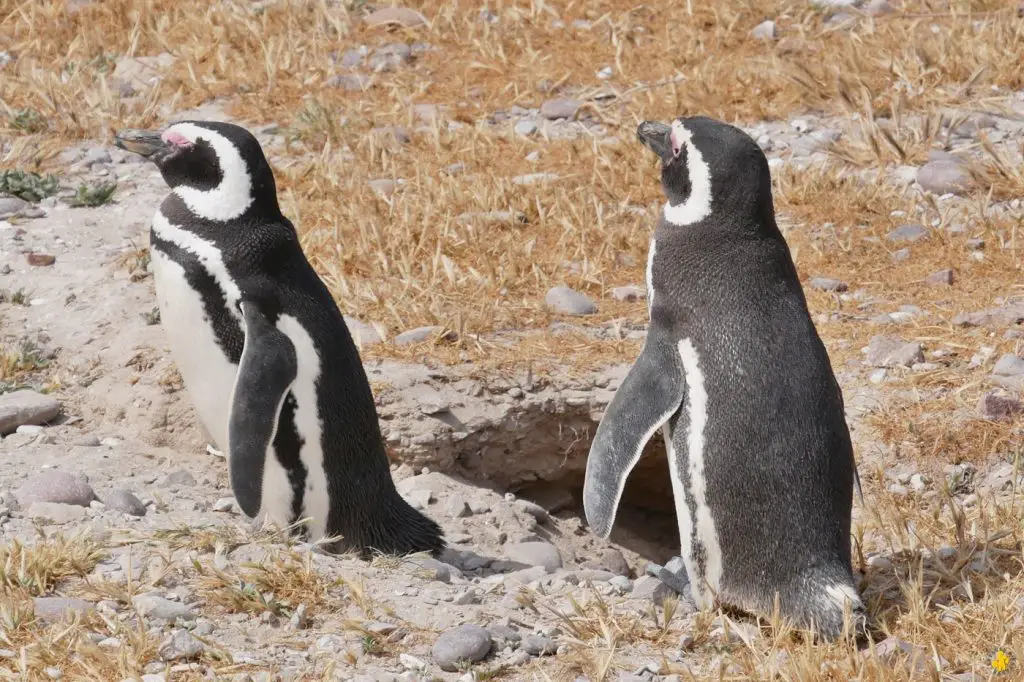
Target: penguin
<point>735,376</point>
<point>263,350</point>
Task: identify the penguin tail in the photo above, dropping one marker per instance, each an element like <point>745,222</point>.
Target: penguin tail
<point>394,528</point>
<point>830,608</point>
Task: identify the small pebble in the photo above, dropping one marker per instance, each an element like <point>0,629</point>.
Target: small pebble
<point>765,30</point>
<point>562,299</point>
<point>466,643</point>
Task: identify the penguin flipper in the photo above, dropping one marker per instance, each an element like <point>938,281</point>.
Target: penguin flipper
<point>652,391</point>
<point>266,370</point>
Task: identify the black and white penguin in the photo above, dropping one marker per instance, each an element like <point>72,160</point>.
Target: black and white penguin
<point>735,375</point>
<point>263,349</point>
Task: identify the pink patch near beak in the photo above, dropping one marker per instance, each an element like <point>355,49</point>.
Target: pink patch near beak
<point>676,138</point>
<point>176,138</point>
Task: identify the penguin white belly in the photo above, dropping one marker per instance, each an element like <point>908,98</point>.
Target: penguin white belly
<point>207,372</point>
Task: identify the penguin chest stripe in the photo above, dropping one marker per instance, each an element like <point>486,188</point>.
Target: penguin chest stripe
<point>309,426</point>
<point>208,254</point>
<point>704,535</point>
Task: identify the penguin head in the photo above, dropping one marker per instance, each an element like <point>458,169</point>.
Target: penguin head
<point>217,168</point>
<point>709,168</point>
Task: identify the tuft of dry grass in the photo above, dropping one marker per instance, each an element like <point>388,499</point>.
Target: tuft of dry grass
<point>277,586</point>
<point>36,569</point>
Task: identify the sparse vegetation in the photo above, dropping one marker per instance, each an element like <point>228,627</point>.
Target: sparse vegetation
<point>28,185</point>
<point>93,194</point>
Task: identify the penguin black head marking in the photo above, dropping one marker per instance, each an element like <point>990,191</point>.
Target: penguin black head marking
<point>707,167</point>
<point>218,169</point>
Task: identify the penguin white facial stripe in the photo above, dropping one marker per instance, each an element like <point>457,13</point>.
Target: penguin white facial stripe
<point>697,408</point>
<point>316,500</point>
<point>697,206</point>
<point>208,254</point>
<point>233,196</point>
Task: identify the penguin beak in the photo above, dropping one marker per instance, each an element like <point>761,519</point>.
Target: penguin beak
<point>656,136</point>
<point>145,143</point>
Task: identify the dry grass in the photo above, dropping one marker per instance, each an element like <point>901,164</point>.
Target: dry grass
<point>405,260</point>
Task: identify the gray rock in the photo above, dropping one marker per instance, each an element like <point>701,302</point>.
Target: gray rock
<point>892,649</point>
<point>943,176</point>
<point>396,16</point>
<point>353,58</point>
<point>535,510</point>
<point>352,82</point>
<point>389,57</point>
<point>457,508</point>
<point>125,501</point>
<point>940,278</point>
<point>466,643</point>
<point>534,178</point>
<point>622,584</point>
<point>428,113</point>
<point>877,8</point>
<point>525,127</point>
<point>415,335</point>
<point>96,155</point>
<point>158,608</point>
<point>1009,365</point>
<point>55,512</point>
<point>432,569</point>
<point>180,478</point>
<point>765,30</point>
<point>139,73</point>
<point>910,232</point>
<point>629,293</point>
<point>565,300</point>
<point>25,406</point>
<point>385,187</point>
<point>504,636</point>
<point>900,255</point>
<point>673,574</point>
<point>11,206</point>
<point>298,618</point>
<point>888,351</point>
<point>826,284</point>
<point>55,486</point>
<point>612,561</point>
<point>559,108</point>
<point>362,333</point>
<point>224,504</point>
<point>1004,316</point>
<point>180,646</point>
<point>536,645</point>
<point>996,406</point>
<point>53,609</point>
<point>535,554</point>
